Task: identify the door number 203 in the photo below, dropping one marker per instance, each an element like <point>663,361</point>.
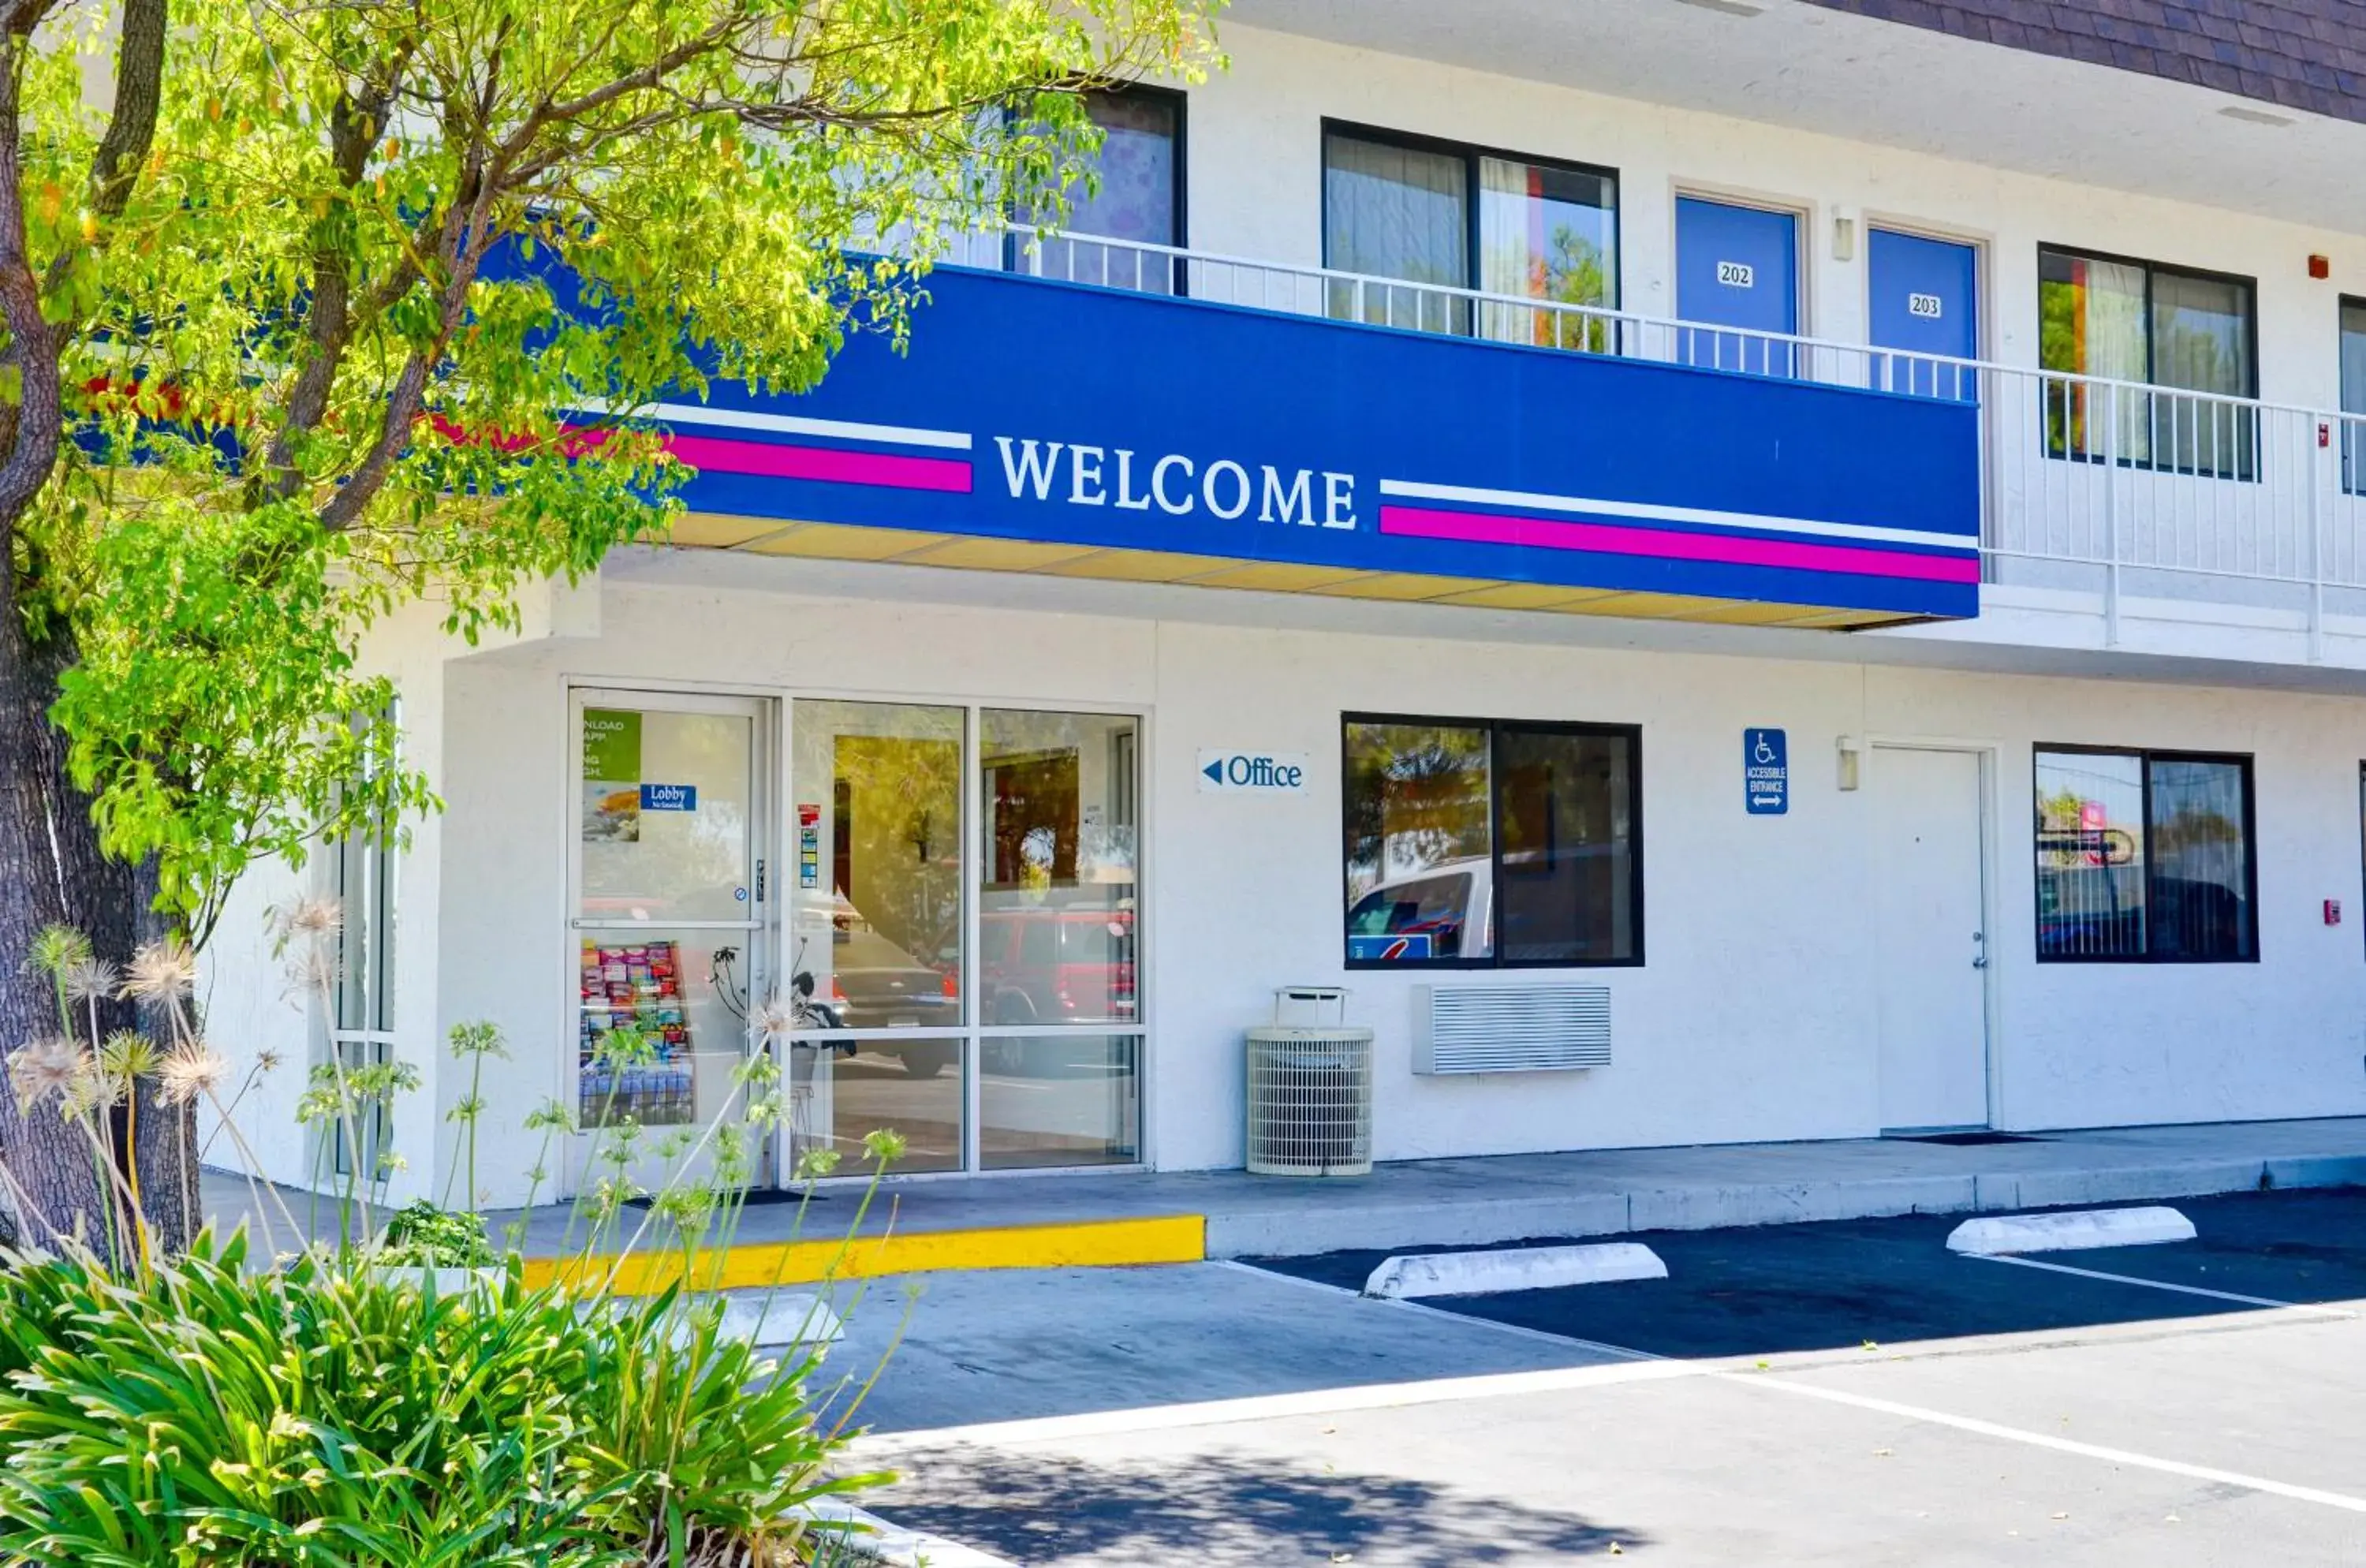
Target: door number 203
<point>1926,306</point>
<point>1737,274</point>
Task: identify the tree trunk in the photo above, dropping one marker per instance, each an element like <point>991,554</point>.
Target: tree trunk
<point>51,873</point>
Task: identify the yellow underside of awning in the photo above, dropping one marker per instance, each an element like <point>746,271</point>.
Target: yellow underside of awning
<point>837,541</point>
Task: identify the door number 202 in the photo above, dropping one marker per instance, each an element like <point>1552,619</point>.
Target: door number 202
<point>1737,274</point>
<point>1926,306</point>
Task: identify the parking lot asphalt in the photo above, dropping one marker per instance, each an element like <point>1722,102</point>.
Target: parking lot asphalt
<point>1828,1286</point>
<point>1827,1394</point>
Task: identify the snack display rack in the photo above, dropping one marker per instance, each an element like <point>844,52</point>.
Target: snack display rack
<point>640,985</point>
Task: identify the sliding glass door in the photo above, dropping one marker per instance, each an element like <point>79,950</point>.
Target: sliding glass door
<point>963,918</point>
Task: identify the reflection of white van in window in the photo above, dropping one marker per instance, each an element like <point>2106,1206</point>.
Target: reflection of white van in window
<point>1444,911</point>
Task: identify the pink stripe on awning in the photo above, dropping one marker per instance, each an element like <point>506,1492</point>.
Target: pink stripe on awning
<point>1669,544</point>
<point>716,453</point>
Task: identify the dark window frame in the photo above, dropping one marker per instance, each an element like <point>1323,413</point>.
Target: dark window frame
<point>1631,733</point>
<point>2353,428</point>
<point>1471,152</point>
<point>2145,756</point>
<point>2245,473</point>
<point>1179,198</point>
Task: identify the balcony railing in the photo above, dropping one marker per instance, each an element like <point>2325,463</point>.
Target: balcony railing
<point>2088,482</point>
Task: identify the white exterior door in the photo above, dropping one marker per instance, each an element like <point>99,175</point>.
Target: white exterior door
<point>1931,944</point>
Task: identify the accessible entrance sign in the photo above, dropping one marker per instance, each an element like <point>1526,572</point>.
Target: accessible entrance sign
<point>1765,772</point>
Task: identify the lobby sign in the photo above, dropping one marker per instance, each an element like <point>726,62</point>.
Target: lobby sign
<point>1048,413</point>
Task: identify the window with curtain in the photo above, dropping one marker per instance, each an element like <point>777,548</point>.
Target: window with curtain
<point>1454,217</point>
<point>1546,233</point>
<point>1395,211</point>
<point>2144,857</point>
<point>1481,844</point>
<point>1135,191</point>
<point>2121,321</point>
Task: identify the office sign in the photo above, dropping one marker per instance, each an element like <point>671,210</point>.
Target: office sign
<point>1252,772</point>
<point>1765,772</point>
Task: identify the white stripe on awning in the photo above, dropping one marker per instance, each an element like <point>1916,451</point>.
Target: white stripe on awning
<point>1412,490</point>
<point>789,425</point>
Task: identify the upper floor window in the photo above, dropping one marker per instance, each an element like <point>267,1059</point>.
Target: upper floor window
<point>1135,192</point>
<point>1477,843</point>
<point>2145,856</point>
<point>2115,319</point>
<point>1459,217</point>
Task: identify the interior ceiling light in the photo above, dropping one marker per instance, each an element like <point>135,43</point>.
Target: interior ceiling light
<point>2254,117</point>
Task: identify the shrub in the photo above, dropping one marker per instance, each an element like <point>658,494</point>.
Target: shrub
<point>427,1236</point>
<point>322,1417</point>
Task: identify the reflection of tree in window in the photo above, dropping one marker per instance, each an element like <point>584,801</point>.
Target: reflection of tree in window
<point>896,848</point>
<point>1416,797</point>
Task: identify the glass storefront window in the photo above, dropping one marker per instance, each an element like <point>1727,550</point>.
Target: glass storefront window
<point>885,867</point>
<point>874,870</point>
<point>1056,898</point>
<point>1059,1100</point>
<point>842,1092</point>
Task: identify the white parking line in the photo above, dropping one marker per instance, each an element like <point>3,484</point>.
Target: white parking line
<point>2164,1285</point>
<point>2060,1445</point>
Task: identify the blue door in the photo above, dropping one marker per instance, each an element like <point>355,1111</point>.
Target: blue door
<point>1736,266</point>
<point>1925,301</point>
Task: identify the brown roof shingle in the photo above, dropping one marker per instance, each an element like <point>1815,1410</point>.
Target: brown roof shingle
<point>2300,54</point>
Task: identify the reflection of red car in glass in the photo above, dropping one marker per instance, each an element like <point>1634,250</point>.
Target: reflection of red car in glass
<point>1056,966</point>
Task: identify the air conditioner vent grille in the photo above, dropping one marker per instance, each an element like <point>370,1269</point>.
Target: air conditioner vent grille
<point>1510,1028</point>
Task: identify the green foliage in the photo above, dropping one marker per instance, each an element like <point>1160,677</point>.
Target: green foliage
<point>427,1236</point>
<point>324,380</point>
<point>328,1418</point>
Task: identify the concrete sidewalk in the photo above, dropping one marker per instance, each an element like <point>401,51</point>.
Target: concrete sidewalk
<point>1043,1221</point>
<point>1606,1191</point>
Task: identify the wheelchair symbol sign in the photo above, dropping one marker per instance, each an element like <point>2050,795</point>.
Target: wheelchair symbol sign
<point>1765,772</point>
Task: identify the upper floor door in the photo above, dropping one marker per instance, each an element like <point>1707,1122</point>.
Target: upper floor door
<point>1924,300</point>
<point>1737,266</point>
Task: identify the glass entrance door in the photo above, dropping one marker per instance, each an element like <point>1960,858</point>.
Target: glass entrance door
<point>669,928</point>
<point>964,922</point>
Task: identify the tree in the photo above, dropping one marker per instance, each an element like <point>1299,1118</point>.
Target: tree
<point>379,320</point>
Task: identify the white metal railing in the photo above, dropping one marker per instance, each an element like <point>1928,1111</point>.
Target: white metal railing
<point>2099,475</point>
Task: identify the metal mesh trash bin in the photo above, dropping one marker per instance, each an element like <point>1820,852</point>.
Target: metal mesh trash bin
<point>1310,1088</point>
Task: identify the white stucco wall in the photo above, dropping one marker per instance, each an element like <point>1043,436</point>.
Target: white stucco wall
<point>1256,189</point>
<point>1753,1015</point>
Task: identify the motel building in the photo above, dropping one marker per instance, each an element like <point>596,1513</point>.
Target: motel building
<point>1806,566</point>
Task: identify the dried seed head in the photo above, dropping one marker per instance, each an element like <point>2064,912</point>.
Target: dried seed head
<point>190,1073</point>
<point>40,1070</point>
<point>776,1019</point>
<point>311,918</point>
<point>87,980</point>
<point>267,1061</point>
<point>315,969</point>
<point>162,972</point>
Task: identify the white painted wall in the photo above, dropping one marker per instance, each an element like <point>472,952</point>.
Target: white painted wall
<point>1754,1016</point>
<point>1256,189</point>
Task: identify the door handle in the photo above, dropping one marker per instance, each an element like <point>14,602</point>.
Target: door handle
<point>1980,963</point>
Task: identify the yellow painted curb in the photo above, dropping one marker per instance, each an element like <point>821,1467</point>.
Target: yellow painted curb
<point>1171,1239</point>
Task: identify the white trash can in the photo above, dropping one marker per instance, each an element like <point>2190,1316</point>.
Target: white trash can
<point>1310,1088</point>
